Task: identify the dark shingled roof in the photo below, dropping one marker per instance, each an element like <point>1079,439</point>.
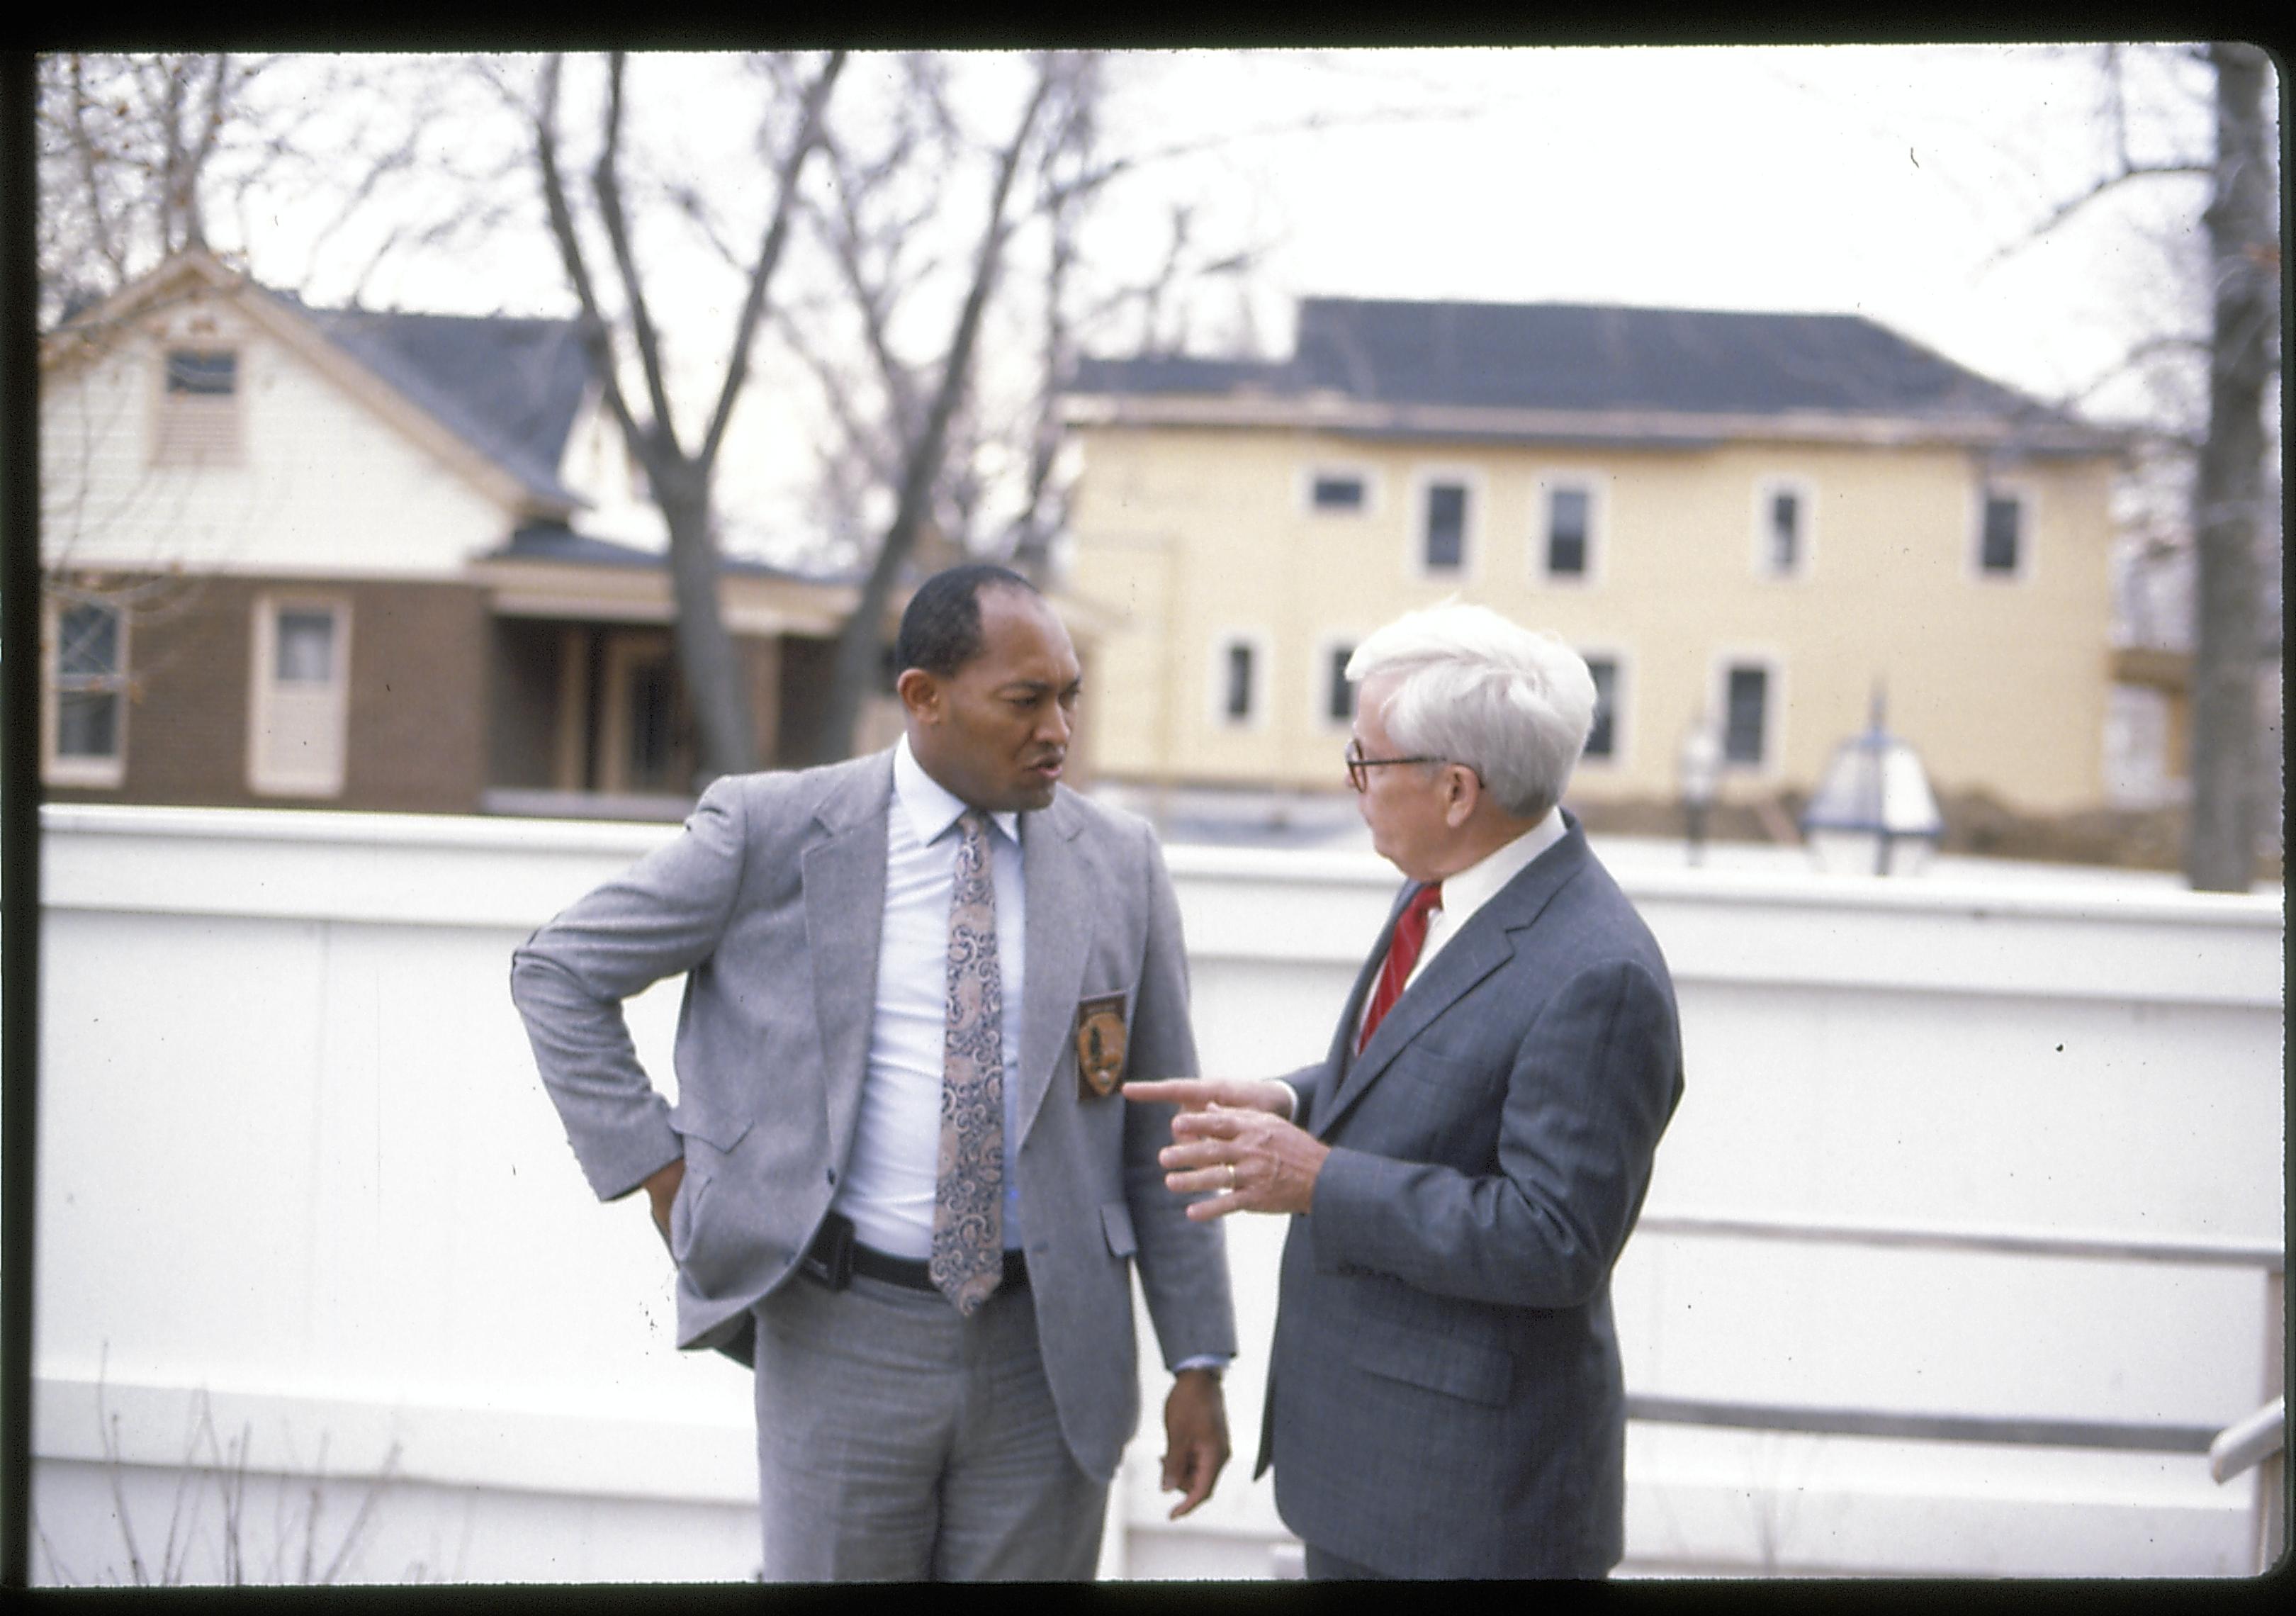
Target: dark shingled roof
<point>510,387</point>
<point>554,541</point>
<point>1176,373</point>
<point>1586,357</point>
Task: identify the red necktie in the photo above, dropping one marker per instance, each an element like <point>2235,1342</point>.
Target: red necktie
<point>1402,954</point>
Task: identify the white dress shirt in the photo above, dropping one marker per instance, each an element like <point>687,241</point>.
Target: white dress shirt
<point>1462,894</point>
<point>1476,885</point>
<point>888,1189</point>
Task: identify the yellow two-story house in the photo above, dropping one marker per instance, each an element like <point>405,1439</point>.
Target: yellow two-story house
<point>1743,522</point>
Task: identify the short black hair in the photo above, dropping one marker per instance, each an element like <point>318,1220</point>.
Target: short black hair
<point>940,630</point>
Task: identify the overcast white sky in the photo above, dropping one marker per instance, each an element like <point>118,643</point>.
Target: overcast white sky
<point>1876,180</point>
<point>1851,179</point>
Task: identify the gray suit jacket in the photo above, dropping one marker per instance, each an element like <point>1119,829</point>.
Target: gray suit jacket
<point>1445,1396</point>
<point>770,903</point>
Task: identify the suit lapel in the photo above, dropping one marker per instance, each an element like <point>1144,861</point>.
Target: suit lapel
<point>843,875</point>
<point>1059,930</point>
<point>1482,945</point>
<point>1466,959</point>
<point>1340,1059</point>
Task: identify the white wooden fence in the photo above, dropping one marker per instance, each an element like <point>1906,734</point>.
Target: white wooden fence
<point>316,1273</point>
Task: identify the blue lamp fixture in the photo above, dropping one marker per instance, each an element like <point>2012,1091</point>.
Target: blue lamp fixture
<point>1872,808</point>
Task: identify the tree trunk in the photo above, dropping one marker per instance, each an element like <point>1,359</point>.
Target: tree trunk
<point>861,645</point>
<point>2220,854</point>
<point>708,663</point>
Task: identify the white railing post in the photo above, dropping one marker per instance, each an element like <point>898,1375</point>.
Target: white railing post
<point>2271,1495</point>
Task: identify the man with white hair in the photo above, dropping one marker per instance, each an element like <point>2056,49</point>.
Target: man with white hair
<point>1463,1167</point>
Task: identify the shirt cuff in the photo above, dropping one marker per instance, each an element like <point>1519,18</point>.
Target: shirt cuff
<point>1290,1098</point>
<point>1217,1362</point>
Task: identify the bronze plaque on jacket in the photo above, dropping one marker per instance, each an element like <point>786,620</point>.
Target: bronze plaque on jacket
<point>1100,1045</point>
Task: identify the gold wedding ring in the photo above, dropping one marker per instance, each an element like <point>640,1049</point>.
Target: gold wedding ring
<point>1231,1178</point>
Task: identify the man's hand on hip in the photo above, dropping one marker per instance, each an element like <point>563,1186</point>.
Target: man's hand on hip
<point>661,1189</point>
<point>1195,1438</point>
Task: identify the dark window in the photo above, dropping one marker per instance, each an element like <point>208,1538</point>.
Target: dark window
<point>210,375</point>
<point>1785,531</point>
<point>1237,702</point>
<point>2004,520</point>
<point>1335,493</point>
<point>1567,511</point>
<point>305,653</point>
<point>654,726</point>
<point>1748,709</point>
<point>1446,526</point>
<point>1602,740</point>
<point>198,421</point>
<point>87,682</point>
<point>1339,694</point>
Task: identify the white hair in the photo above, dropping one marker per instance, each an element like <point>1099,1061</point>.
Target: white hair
<point>1512,703</point>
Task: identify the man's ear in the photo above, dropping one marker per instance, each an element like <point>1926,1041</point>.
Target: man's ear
<point>920,694</point>
<point>1462,789</point>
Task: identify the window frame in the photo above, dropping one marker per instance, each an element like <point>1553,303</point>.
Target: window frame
<point>1595,485</point>
<point>1320,673</point>
<point>1805,492</point>
<point>2020,493</point>
<point>205,445</point>
<point>265,777</point>
<point>102,773</point>
<point>1620,754</point>
<point>1424,482</point>
<point>1316,470</point>
<point>1772,664</point>
<point>1256,718</point>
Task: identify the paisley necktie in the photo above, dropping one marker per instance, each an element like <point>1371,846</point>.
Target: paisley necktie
<point>968,1238</point>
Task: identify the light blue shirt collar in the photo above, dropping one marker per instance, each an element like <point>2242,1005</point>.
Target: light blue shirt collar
<point>931,806</point>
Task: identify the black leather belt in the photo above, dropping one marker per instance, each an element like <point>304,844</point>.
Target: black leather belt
<point>835,1256</point>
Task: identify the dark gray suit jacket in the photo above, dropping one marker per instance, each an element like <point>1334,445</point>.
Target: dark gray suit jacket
<point>1445,1396</point>
<point>770,903</point>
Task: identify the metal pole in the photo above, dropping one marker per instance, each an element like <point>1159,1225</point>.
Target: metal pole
<point>2272,1475</point>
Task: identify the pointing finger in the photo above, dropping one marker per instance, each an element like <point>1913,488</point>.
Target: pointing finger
<point>1217,1123</point>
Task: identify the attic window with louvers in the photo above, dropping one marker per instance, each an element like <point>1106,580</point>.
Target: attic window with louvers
<point>198,409</point>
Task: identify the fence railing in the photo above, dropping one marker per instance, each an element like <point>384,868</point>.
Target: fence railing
<point>2114,1248</point>
<point>2259,1439</point>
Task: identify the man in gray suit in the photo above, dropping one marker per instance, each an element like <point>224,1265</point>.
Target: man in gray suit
<point>900,1170</point>
<point>1462,1169</point>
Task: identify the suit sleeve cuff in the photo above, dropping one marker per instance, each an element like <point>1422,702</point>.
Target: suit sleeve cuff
<point>627,1170</point>
<point>1351,1188</point>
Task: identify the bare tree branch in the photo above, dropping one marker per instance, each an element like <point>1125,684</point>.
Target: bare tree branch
<point>605,183</point>
<point>770,252</point>
<point>680,483</point>
<point>2127,174</point>
<point>596,332</point>
<point>87,151</point>
<point>859,644</point>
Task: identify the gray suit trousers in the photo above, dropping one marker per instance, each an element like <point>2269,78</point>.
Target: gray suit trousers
<point>898,1442</point>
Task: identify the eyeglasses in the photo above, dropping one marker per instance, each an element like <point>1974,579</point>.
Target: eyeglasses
<point>1357,764</point>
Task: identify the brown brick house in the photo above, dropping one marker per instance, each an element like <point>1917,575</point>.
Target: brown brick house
<point>300,557</point>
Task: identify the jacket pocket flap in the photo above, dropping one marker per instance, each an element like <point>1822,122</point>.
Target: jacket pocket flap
<point>1116,1221</point>
<point>721,1133</point>
<point>1439,1363</point>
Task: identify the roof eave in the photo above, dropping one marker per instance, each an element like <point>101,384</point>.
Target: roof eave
<point>294,327</point>
<point>1667,428</point>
